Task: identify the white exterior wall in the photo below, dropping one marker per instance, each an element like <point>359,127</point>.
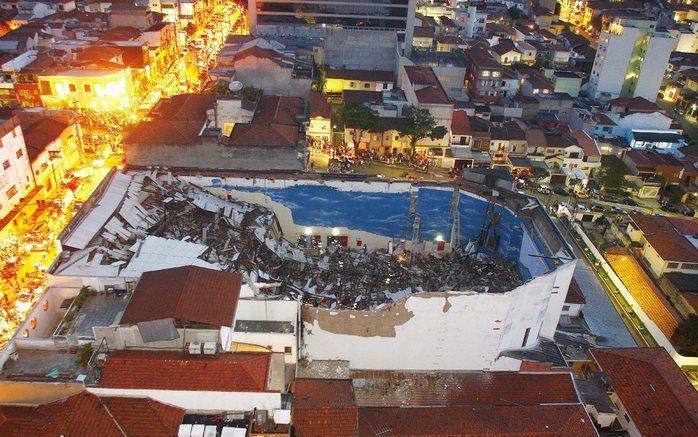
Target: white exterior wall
<point>19,173</point>
<point>610,65</point>
<point>269,310</point>
<point>202,401</point>
<point>653,67</point>
<point>446,331</point>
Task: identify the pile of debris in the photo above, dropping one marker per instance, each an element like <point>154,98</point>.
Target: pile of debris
<point>247,238</point>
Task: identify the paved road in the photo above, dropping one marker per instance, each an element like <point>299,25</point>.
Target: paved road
<point>599,312</point>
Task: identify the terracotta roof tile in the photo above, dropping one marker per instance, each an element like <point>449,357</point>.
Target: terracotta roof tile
<point>166,370</point>
<point>551,420</point>
<point>656,393</point>
<point>505,47</point>
<point>40,134</point>
<point>427,86</point>
<point>587,143</point>
<point>667,236</point>
<point>191,294</point>
<point>87,415</point>
<point>460,125</point>
<point>318,105</point>
<point>423,32</point>
<point>324,407</point>
<point>574,294</point>
<point>643,290</point>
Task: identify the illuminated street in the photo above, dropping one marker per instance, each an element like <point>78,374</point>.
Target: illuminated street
<point>28,250</point>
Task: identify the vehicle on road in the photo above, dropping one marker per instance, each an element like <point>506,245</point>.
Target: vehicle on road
<point>596,207</point>
<point>543,189</point>
<point>610,198</point>
<point>560,190</point>
<point>581,195</point>
<point>685,210</point>
<point>616,209</point>
<point>668,207</point>
<point>629,201</point>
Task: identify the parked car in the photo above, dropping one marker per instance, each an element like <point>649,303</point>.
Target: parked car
<point>616,209</point>
<point>668,207</point>
<point>610,198</point>
<point>560,190</point>
<point>544,189</point>
<point>685,210</point>
<point>629,201</point>
<point>597,207</point>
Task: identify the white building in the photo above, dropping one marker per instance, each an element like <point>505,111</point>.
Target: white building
<point>630,62</point>
<point>474,21</point>
<point>15,172</point>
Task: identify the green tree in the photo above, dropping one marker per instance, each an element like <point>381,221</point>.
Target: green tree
<point>251,93</point>
<point>420,125</point>
<point>360,118</point>
<point>612,174</point>
<point>514,13</point>
<point>686,336</point>
<point>319,76</point>
<point>539,173</point>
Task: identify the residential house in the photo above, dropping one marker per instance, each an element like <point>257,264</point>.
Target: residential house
<point>99,86</point>
<point>574,301</point>
<point>162,46</point>
<point>386,140</point>
<point>529,53</point>
<point>590,149</point>
<point>667,244</point>
<point>483,78</point>
<point>534,82</point>
<point>567,82</point>
<point>474,21</point>
<point>506,52</point>
<point>130,15</point>
<point>423,38</point>
<point>320,128</point>
<point>339,80</point>
<point>648,164</point>
<point>261,65</point>
<point>650,392</point>
<point>53,148</point>
<point>424,90</point>
<point>15,174</point>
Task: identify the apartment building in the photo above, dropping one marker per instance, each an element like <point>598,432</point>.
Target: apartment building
<point>630,60</point>
<point>15,174</point>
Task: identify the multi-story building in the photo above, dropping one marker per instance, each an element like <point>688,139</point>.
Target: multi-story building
<point>272,15</point>
<point>474,21</point>
<point>15,173</point>
<point>630,62</point>
<point>484,76</point>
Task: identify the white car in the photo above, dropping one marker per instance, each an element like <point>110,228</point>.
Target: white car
<point>544,189</point>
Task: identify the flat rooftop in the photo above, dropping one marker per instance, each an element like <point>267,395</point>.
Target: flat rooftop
<point>42,365</point>
<point>97,309</point>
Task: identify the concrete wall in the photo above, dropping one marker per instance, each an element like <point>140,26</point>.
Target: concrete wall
<point>361,49</point>
<point>611,64</point>
<point>653,67</point>
<point>272,78</point>
<point>129,337</point>
<point>270,310</point>
<point>211,155</point>
<point>202,401</point>
<point>458,330</point>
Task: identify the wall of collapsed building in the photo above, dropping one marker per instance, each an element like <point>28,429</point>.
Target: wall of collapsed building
<point>444,331</point>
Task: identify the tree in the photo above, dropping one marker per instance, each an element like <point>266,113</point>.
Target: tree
<point>686,336</point>
<point>539,173</point>
<point>319,76</point>
<point>514,13</point>
<point>357,116</point>
<point>251,93</point>
<point>190,29</point>
<point>420,125</point>
<point>612,174</point>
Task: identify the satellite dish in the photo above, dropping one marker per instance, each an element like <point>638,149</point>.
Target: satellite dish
<point>235,85</point>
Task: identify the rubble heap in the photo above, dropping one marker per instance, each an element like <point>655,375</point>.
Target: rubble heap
<point>247,238</point>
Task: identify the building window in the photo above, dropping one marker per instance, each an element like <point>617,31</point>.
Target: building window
<point>6,164</point>
<point>20,153</point>
<point>627,419</point>
<point>565,308</point>
<point>672,265</point>
<point>88,88</point>
<point>525,339</point>
<point>288,350</point>
<point>72,87</point>
<point>11,192</point>
<point>385,86</point>
<point>367,85</point>
<point>689,266</point>
<point>485,73</point>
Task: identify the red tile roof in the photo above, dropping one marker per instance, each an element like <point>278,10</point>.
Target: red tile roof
<point>318,105</point>
<point>423,32</point>
<point>667,236</point>
<point>418,389</point>
<point>574,294</point>
<point>87,415</point>
<point>275,124</point>
<point>550,420</point>
<point>324,407</point>
<point>635,104</point>
<point>460,125</point>
<point>587,143</point>
<point>360,75</point>
<point>40,133</point>
<point>188,294</point>
<point>427,86</point>
<point>263,53</point>
<point>505,47</point>
<point>655,392</point>
<point>166,370</point>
